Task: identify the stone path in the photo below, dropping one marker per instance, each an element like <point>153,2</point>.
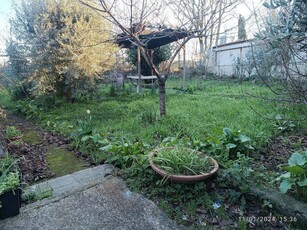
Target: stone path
<point>90,199</point>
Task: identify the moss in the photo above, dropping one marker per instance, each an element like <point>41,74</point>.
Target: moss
<point>32,138</point>
<point>63,162</point>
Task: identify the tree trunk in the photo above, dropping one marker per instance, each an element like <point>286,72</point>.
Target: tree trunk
<point>69,96</point>
<point>162,95</point>
<point>201,50</point>
<point>184,68</point>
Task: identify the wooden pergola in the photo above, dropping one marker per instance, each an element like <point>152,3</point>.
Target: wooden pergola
<point>150,39</point>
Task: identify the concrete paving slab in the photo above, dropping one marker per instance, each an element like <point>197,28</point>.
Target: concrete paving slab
<point>64,186</point>
<point>69,188</point>
<point>107,205</point>
<point>92,174</point>
<point>68,184</point>
<point>60,182</point>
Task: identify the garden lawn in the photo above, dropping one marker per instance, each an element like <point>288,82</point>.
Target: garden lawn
<point>203,107</point>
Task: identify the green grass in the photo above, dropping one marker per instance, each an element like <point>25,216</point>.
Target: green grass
<point>5,100</point>
<point>11,131</point>
<point>218,105</point>
<point>200,108</point>
<point>210,106</point>
<point>182,161</point>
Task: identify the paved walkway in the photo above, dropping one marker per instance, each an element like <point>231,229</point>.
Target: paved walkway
<point>90,199</point>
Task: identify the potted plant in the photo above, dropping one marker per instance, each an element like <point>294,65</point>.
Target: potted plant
<point>182,165</point>
<point>10,193</point>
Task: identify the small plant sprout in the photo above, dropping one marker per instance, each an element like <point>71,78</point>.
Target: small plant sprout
<point>38,192</point>
<point>12,132</point>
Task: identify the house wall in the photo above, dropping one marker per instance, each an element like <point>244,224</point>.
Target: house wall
<point>222,60</point>
<point>222,57</point>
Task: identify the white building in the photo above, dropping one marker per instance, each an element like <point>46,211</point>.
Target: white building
<point>222,57</point>
<point>222,60</point>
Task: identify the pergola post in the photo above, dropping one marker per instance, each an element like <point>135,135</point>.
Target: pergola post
<point>184,68</point>
<point>151,58</point>
<point>138,89</point>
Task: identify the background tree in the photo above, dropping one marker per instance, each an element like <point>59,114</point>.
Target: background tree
<point>242,35</point>
<point>205,19</point>
<point>63,43</point>
<point>18,62</point>
<point>285,37</point>
<point>160,55</point>
<point>129,17</point>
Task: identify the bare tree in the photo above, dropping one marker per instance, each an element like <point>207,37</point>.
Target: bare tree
<point>130,17</point>
<point>205,18</point>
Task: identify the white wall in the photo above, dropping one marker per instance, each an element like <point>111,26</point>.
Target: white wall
<point>223,57</point>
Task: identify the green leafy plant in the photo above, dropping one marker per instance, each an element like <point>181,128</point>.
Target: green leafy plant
<point>16,143</point>
<point>236,142</point>
<point>283,125</point>
<point>28,109</point>
<point>182,161</point>
<point>223,147</point>
<point>90,144</point>
<point>296,175</point>
<point>233,195</point>
<point>9,175</point>
<point>11,132</point>
<point>84,127</point>
<point>267,204</point>
<point>242,224</point>
<point>123,153</point>
<point>237,173</point>
<point>94,141</point>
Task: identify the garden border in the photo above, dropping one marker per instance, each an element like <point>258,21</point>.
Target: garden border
<point>286,205</point>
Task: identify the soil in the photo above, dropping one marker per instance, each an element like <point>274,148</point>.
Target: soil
<point>279,150</point>
<point>33,147</point>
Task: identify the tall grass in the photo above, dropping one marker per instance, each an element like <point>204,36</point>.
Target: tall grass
<point>206,108</point>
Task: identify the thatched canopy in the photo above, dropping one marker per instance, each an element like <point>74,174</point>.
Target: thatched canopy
<point>152,39</point>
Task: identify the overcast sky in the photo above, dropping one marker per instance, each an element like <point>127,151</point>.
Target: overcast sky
<point>247,10</point>
<point>243,9</point>
<point>5,6</point>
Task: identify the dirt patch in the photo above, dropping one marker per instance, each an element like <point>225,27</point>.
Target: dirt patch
<point>32,147</point>
<point>279,150</point>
